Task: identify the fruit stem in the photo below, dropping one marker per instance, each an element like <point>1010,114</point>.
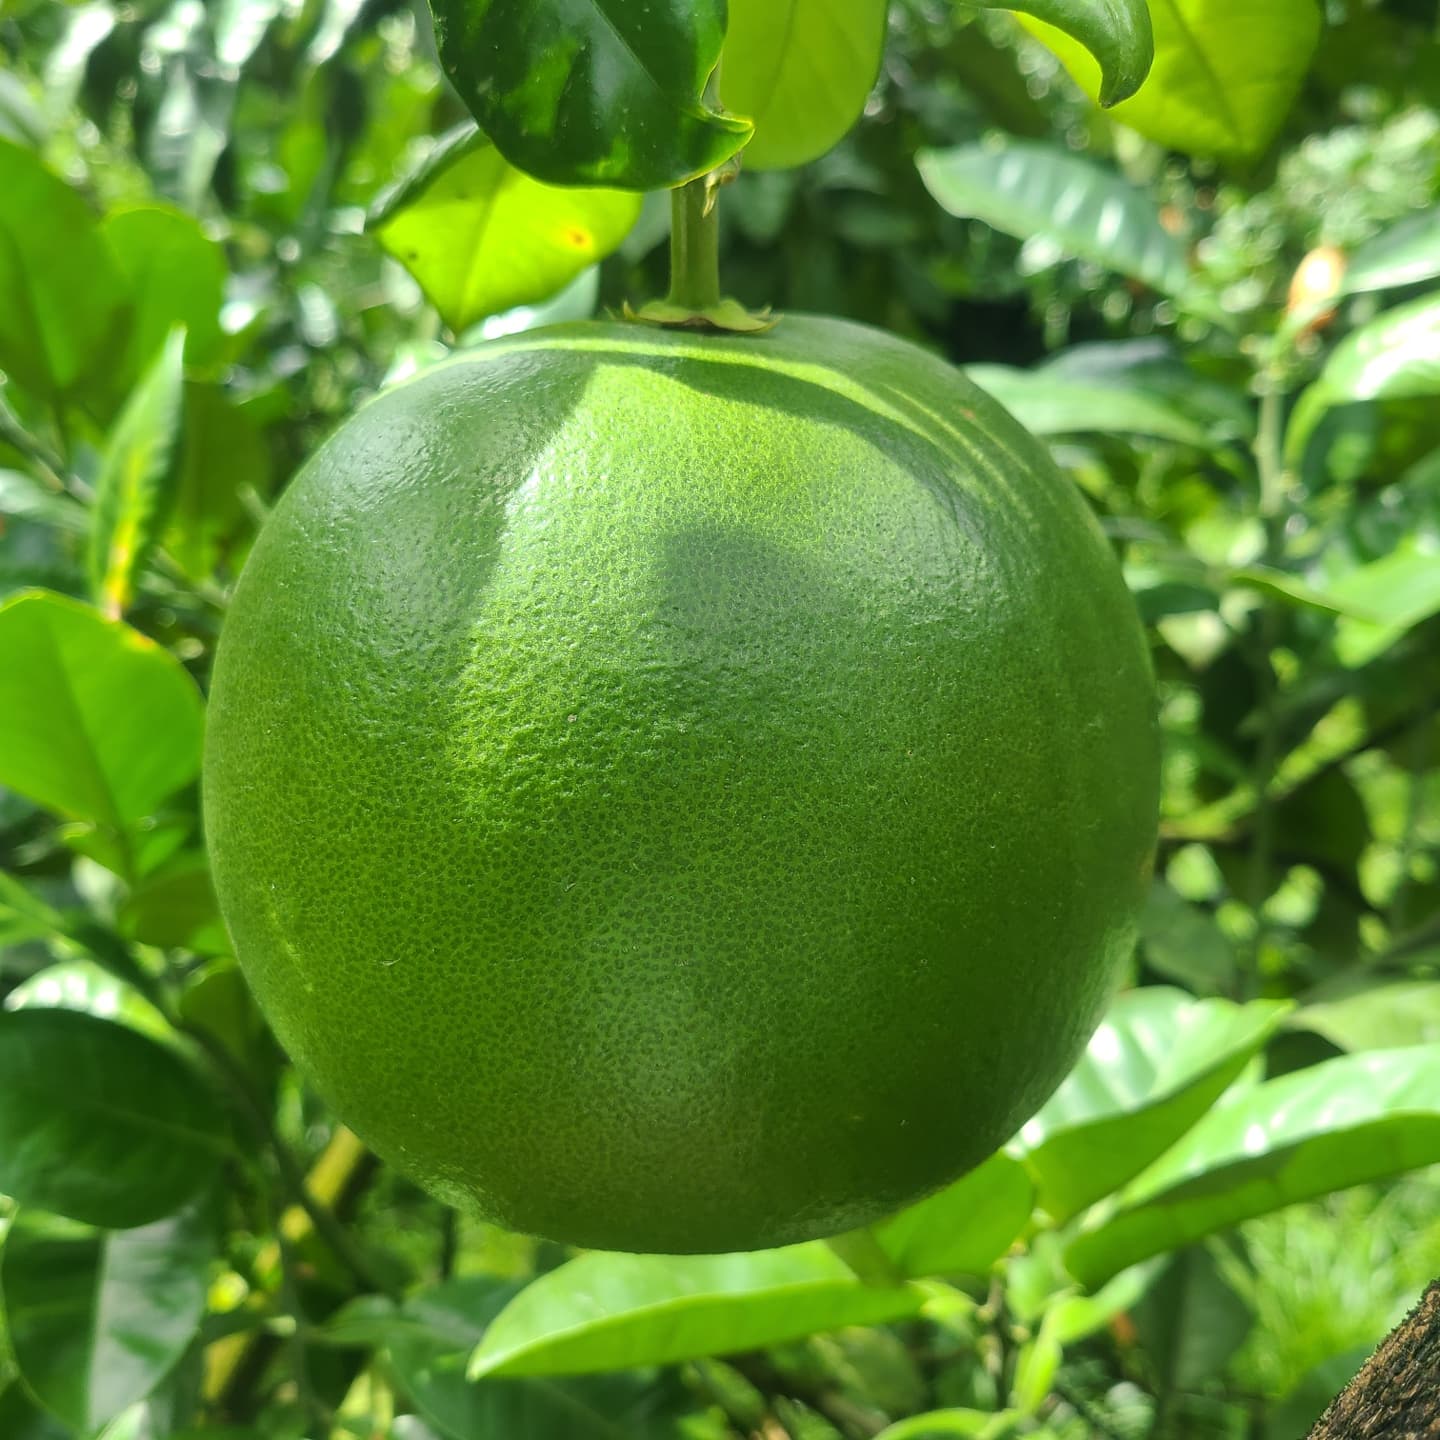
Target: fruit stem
<point>695,245</point>
<point>866,1257</point>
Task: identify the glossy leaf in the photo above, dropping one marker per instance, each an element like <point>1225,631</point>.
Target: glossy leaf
<point>964,1228</point>
<point>1157,369</point>
<point>1403,254</point>
<point>62,297</point>
<point>1183,942</point>
<point>1116,33</point>
<point>1036,1365</point>
<point>1380,601</point>
<point>89,988</point>
<point>431,1339</point>
<point>614,1312</point>
<point>1340,1123</point>
<point>1156,1064</point>
<point>176,908</point>
<point>138,477</point>
<point>1226,72</point>
<point>592,92</point>
<point>1049,404</point>
<point>23,915</point>
<point>86,28</point>
<point>336,22</point>
<point>98,1122</point>
<point>98,1318</point>
<point>224,455</point>
<point>1395,357</point>
<point>240,26</point>
<point>20,1417</point>
<point>800,71</point>
<point>480,237</point>
<point>1075,1317</point>
<point>1191,1321</point>
<point>1028,189</point>
<point>176,277</point>
<point>22,496</point>
<point>1387,1015</point>
<point>955,1420</point>
<point>97,722</point>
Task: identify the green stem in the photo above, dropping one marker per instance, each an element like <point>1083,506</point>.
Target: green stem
<point>863,1253</point>
<point>1270,468</point>
<point>694,246</point>
<point>1269,459</point>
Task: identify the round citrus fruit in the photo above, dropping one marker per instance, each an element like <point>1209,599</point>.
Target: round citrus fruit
<point>682,793</point>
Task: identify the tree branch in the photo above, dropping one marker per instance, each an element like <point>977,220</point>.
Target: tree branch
<point>1396,1395</point>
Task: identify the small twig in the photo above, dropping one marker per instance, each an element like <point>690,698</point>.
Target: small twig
<point>299,1347</point>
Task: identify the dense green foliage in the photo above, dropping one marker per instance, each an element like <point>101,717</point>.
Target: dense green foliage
<point>1217,302</point>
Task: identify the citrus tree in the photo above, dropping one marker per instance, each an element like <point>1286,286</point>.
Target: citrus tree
<point>226,226</point>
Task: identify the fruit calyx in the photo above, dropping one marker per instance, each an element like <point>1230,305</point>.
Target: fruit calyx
<point>694,301</point>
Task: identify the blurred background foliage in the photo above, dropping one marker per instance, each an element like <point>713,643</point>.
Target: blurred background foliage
<point>1232,347</point>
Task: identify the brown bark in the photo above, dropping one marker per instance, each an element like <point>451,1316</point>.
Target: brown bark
<point>1396,1395</point>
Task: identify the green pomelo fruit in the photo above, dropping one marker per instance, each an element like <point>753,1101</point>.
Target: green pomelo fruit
<point>682,793</point>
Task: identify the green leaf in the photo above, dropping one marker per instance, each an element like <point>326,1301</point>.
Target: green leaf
<point>1049,404</point>
<point>20,118</point>
<point>86,28</point>
<point>24,916</point>
<point>800,71</point>
<point>431,1339</point>
<point>1395,357</point>
<point>957,1420</point>
<point>98,1318</point>
<point>22,496</point>
<point>1076,1317</point>
<point>1380,601</point>
<point>614,1312</point>
<point>1157,369</point>
<point>592,92</point>
<point>1117,33</point>
<point>479,236</point>
<point>1157,1063</point>
<point>97,722</point>
<point>91,989</point>
<point>1226,72</point>
<point>1027,189</point>
<point>176,277</point>
<point>1183,942</point>
<point>1384,1015</point>
<point>1191,1321</point>
<point>964,1228</point>
<point>20,1417</point>
<point>175,908</point>
<point>1403,254</point>
<point>239,27</point>
<point>223,456</point>
<point>1036,1365</point>
<point>62,297</point>
<point>1340,1123</point>
<point>138,476</point>
<point>100,1123</point>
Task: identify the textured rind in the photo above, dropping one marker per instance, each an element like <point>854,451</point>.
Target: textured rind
<point>682,793</point>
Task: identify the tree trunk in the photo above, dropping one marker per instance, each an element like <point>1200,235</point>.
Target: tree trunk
<point>1396,1395</point>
